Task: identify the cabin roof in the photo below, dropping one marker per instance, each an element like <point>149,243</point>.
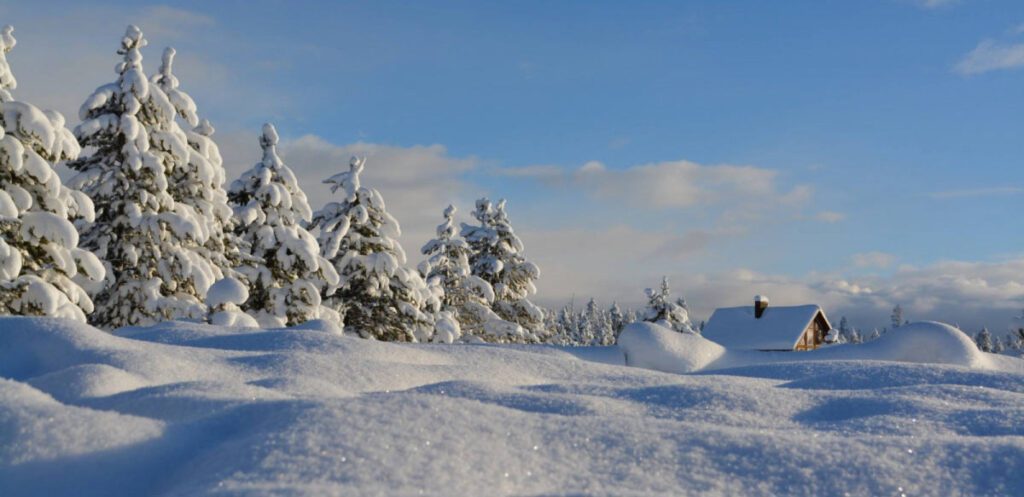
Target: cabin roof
<point>779,328</point>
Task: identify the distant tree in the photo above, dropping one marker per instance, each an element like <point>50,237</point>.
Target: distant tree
<point>618,319</point>
<point>897,316</point>
<point>984,340</point>
<point>661,310</point>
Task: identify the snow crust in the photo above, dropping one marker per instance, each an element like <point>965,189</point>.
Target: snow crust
<point>182,409</point>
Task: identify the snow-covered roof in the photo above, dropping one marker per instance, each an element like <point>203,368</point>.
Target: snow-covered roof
<point>779,328</point>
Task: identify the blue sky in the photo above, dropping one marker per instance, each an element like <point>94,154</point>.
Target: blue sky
<point>830,147</point>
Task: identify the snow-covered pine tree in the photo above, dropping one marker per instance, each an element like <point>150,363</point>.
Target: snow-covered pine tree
<point>146,239</point>
<point>984,340</point>
<point>661,310</point>
<point>618,319</point>
<point>377,294</point>
<point>39,254</point>
<point>497,258</point>
<point>199,184</point>
<point>287,274</point>
<point>897,316</point>
<point>466,296</point>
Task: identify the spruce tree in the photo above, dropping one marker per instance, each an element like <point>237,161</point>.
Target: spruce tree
<point>661,310</point>
<point>984,340</point>
<point>199,184</point>
<point>497,258</point>
<point>286,273</point>
<point>39,254</point>
<point>897,316</point>
<point>466,296</point>
<point>377,294</point>
<point>146,239</point>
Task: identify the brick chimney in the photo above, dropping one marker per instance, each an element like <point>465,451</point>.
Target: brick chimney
<point>760,304</point>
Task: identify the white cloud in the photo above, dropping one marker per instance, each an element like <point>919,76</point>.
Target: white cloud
<point>673,184</point>
<point>991,55</point>
<point>873,259</point>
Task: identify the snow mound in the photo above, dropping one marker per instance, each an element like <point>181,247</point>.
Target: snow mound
<point>226,291</point>
<point>647,345</point>
<point>927,341</point>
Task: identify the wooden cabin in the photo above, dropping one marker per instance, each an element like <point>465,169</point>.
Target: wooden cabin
<point>760,327</point>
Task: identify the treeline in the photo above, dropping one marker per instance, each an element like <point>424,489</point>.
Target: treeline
<point>146,231</point>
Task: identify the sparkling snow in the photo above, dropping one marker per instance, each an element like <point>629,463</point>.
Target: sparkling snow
<point>185,409</point>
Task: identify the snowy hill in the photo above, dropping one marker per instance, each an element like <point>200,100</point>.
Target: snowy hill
<point>185,410</point>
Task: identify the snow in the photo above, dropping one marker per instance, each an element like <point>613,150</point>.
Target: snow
<point>779,328</point>
<point>189,409</point>
<point>227,290</point>
<point>647,345</point>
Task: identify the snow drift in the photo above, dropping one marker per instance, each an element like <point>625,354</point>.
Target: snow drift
<point>183,409</point>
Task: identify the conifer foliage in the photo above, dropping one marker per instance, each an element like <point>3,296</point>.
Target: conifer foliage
<point>377,294</point>
<point>497,258</point>
<point>199,183</point>
<point>39,254</point>
<point>147,240</point>
<point>661,310</point>
<point>466,296</point>
<point>287,274</point>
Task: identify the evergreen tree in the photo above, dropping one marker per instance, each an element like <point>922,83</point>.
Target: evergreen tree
<point>497,258</point>
<point>377,294</point>
<point>199,184</point>
<point>39,254</point>
<point>147,240</point>
<point>618,319</point>
<point>467,297</point>
<point>897,316</point>
<point>661,310</point>
<point>287,273</point>
<point>984,340</point>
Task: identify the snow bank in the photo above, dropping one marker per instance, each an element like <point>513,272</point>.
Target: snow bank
<point>928,341</point>
<point>647,345</point>
<point>188,409</point>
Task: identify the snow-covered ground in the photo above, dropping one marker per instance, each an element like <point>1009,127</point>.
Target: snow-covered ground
<point>185,410</point>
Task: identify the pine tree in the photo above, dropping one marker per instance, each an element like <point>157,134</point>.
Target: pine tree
<point>377,294</point>
<point>199,184</point>
<point>661,310</point>
<point>146,239</point>
<point>39,254</point>
<point>288,274</point>
<point>984,340</point>
<point>897,316</point>
<point>497,258</point>
<point>618,319</point>
<point>466,296</point>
